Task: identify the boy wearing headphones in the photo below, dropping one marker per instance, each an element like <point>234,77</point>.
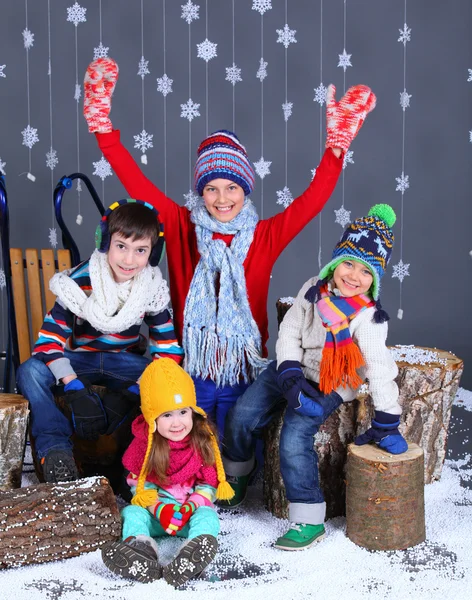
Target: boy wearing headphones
<point>92,336</point>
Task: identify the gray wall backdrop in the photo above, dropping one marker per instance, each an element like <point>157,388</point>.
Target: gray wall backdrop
<point>437,152</point>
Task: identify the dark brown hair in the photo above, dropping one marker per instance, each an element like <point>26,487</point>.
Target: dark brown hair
<point>200,439</point>
<point>135,221</point>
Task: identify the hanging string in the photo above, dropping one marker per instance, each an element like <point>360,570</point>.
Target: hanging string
<point>51,156</point>
<point>30,134</point>
<point>234,64</point>
<point>143,140</point>
<point>321,100</point>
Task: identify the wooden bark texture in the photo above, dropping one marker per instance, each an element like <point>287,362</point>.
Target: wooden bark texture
<point>48,522</point>
<point>385,498</point>
<point>13,426</point>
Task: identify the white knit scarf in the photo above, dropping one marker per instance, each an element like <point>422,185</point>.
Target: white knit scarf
<point>112,307</point>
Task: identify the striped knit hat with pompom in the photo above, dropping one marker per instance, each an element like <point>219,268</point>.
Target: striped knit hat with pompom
<point>165,387</point>
<point>221,155</point>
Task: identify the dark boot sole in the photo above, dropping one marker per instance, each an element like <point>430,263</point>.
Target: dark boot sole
<point>124,560</point>
<point>191,560</point>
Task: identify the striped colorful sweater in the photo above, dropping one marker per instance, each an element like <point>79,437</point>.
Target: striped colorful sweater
<point>62,330</point>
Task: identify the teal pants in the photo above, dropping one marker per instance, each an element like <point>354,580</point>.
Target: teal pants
<point>139,521</point>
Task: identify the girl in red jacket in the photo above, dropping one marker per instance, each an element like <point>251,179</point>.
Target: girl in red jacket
<point>220,254</point>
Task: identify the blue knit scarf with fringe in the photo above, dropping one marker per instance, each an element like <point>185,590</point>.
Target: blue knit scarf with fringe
<point>221,340</point>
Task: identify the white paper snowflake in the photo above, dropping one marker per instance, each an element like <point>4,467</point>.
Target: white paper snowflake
<point>143,140</point>
<point>320,94</point>
<point>3,281</point>
<point>470,75</point>
<point>30,136</point>
<point>287,108</point>
<point>261,5</point>
<point>344,60</point>
<point>78,187</point>
<point>313,173</point>
<point>348,158</point>
<point>53,237</point>
<point>190,11</point>
<point>405,99</point>
<point>164,85</point>
<point>3,164</point>
<point>262,70</point>
<point>51,159</point>
<point>191,199</point>
<point>343,216</point>
<point>400,270</point>
<point>143,67</point>
<point>402,183</point>
<point>286,36</point>
<point>2,74</point>
<point>100,51</point>
<point>102,168</point>
<point>189,110</point>
<point>284,197</point>
<point>262,167</point>
<point>470,137</point>
<point>233,74</point>
<point>77,92</point>
<point>76,14</point>
<point>28,38</point>
<point>405,34</point>
<point>206,50</point>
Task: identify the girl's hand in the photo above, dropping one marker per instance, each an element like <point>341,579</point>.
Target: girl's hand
<point>169,517</point>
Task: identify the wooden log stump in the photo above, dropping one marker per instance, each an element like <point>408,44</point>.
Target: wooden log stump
<point>48,522</point>
<point>13,426</point>
<point>385,497</point>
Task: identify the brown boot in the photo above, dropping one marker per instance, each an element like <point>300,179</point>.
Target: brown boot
<point>194,557</point>
<point>134,558</point>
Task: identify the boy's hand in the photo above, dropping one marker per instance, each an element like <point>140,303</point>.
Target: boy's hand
<point>299,393</point>
<point>100,80</point>
<point>345,118</point>
<point>119,403</point>
<point>384,432</point>
<point>88,415</point>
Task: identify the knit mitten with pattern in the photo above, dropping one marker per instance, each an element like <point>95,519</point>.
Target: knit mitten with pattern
<point>99,83</point>
<point>345,118</point>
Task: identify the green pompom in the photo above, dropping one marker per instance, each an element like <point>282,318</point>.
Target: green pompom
<point>385,213</point>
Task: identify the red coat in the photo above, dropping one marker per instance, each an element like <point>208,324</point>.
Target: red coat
<point>271,236</point>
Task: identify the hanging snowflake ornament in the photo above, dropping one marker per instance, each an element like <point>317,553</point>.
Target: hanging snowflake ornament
<point>262,167</point>
<point>403,183</point>
<point>261,6</point>
<point>189,110</point>
<point>405,99</point>
<point>470,137</point>
<point>2,74</point>
<point>191,199</point>
<point>400,270</point>
<point>164,85</point>
<point>313,173</point>
<point>233,74</point>
<point>405,34</point>
<point>143,141</point>
<point>78,187</point>
<point>286,36</point>
<point>2,167</point>
<point>287,108</point>
<point>262,70</point>
<point>102,169</point>
<point>78,92</point>
<point>143,67</point>
<point>53,237</point>
<point>100,51</point>
<point>3,281</point>
<point>51,159</point>
<point>28,39</point>
<point>348,158</point>
<point>190,11</point>
<point>344,60</point>
<point>320,94</point>
<point>30,136</point>
<point>469,79</point>
<point>76,14</point>
<point>343,216</point>
<point>206,50</point>
<point>284,197</point>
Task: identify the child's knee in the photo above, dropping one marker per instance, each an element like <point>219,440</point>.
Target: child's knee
<point>135,514</point>
<point>204,521</point>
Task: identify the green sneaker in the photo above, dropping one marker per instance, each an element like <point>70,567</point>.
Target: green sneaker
<point>300,537</point>
<point>239,485</point>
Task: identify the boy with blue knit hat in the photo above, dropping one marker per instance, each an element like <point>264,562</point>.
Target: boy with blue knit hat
<point>330,341</point>
<point>220,254</point>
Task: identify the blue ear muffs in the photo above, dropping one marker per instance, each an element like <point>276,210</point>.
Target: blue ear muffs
<point>102,233</point>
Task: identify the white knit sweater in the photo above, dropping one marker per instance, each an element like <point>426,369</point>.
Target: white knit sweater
<point>302,338</point>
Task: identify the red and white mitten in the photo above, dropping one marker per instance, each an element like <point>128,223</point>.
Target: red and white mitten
<point>345,118</point>
<point>99,83</point>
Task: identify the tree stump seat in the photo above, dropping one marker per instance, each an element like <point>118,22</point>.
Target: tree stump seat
<point>14,413</point>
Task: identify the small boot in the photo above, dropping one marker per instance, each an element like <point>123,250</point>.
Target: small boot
<point>195,555</point>
<point>133,558</point>
<point>300,537</point>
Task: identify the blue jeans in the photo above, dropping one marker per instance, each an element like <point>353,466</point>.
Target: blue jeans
<point>261,402</point>
<point>50,428</point>
<point>216,401</point>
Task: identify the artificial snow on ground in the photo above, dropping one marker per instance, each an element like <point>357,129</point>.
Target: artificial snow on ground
<point>247,567</point>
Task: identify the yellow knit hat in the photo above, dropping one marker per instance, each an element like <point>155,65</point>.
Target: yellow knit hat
<point>165,387</point>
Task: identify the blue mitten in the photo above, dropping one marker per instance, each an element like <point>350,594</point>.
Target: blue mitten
<point>384,432</point>
<point>300,395</point>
